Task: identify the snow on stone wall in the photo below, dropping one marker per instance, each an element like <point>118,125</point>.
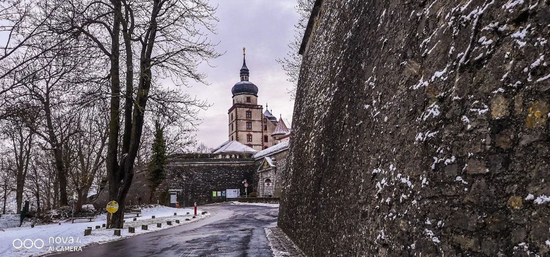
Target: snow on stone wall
<point>421,128</point>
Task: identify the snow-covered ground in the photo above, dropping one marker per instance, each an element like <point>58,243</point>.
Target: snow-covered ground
<point>27,241</point>
<point>260,204</point>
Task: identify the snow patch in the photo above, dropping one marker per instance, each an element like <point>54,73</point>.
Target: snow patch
<point>421,137</point>
<point>439,74</point>
<point>432,111</point>
<point>421,83</point>
<point>431,235</point>
<point>460,179</point>
<point>542,199</point>
<point>537,62</point>
<point>543,78</point>
<point>511,4</point>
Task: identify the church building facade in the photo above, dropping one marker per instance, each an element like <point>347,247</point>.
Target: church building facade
<point>248,123</point>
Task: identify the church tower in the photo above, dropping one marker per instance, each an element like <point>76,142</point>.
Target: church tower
<point>245,116</point>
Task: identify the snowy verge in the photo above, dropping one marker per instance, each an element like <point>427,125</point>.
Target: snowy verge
<point>280,244</point>
<point>54,238</point>
<point>260,204</point>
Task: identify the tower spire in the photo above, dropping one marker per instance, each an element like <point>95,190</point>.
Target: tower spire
<point>245,73</point>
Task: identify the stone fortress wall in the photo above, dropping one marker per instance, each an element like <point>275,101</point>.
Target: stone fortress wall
<point>421,129</point>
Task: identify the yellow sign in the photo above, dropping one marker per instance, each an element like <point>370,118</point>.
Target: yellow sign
<point>112,207</point>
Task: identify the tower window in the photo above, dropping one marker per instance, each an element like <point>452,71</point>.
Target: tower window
<point>249,138</point>
<point>248,99</point>
<point>249,125</point>
<point>231,116</point>
<point>265,120</point>
<point>248,114</point>
<point>266,138</point>
<point>231,126</point>
<point>265,127</point>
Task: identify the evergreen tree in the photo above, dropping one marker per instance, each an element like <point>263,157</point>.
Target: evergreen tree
<point>158,160</point>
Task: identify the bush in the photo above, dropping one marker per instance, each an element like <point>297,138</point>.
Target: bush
<point>253,194</point>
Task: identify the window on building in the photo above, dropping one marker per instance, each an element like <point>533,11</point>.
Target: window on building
<point>265,120</point>
<point>266,139</point>
<point>231,116</point>
<point>248,99</point>
<point>265,127</point>
<point>231,126</point>
<point>249,138</point>
<point>249,125</point>
<point>248,114</point>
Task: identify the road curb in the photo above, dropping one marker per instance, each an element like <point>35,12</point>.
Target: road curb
<point>280,243</point>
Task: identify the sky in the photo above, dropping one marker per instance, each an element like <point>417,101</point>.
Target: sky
<point>264,27</point>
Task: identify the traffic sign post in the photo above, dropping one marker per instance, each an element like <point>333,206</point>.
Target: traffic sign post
<point>112,207</point>
<point>195,208</point>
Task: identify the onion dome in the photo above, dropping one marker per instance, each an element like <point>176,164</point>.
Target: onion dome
<point>244,87</point>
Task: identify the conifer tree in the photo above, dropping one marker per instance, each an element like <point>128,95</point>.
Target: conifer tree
<point>158,160</point>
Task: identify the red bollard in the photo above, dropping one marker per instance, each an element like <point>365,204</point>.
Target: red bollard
<point>195,208</point>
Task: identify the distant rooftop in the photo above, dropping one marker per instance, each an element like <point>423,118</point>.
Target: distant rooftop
<point>272,150</point>
<point>269,116</point>
<point>281,128</point>
<point>232,147</point>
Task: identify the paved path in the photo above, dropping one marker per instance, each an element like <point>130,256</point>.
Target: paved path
<point>231,230</point>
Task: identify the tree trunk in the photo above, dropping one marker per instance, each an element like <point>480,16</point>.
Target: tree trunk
<point>5,197</point>
<point>55,192</point>
<point>19,194</point>
<point>82,195</point>
<point>152,195</point>
<point>62,178</point>
<point>48,199</point>
<point>113,169</point>
<point>37,195</point>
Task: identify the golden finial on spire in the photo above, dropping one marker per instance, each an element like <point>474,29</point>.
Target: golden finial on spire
<point>244,50</point>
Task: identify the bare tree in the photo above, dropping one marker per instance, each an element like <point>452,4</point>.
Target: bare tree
<point>292,62</point>
<point>21,144</point>
<point>24,22</point>
<point>139,42</point>
<point>43,175</point>
<point>36,186</point>
<point>150,39</point>
<point>88,147</point>
<point>7,183</point>
<point>202,148</point>
<point>50,91</point>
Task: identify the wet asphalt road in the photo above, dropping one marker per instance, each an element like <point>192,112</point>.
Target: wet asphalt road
<point>231,230</point>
